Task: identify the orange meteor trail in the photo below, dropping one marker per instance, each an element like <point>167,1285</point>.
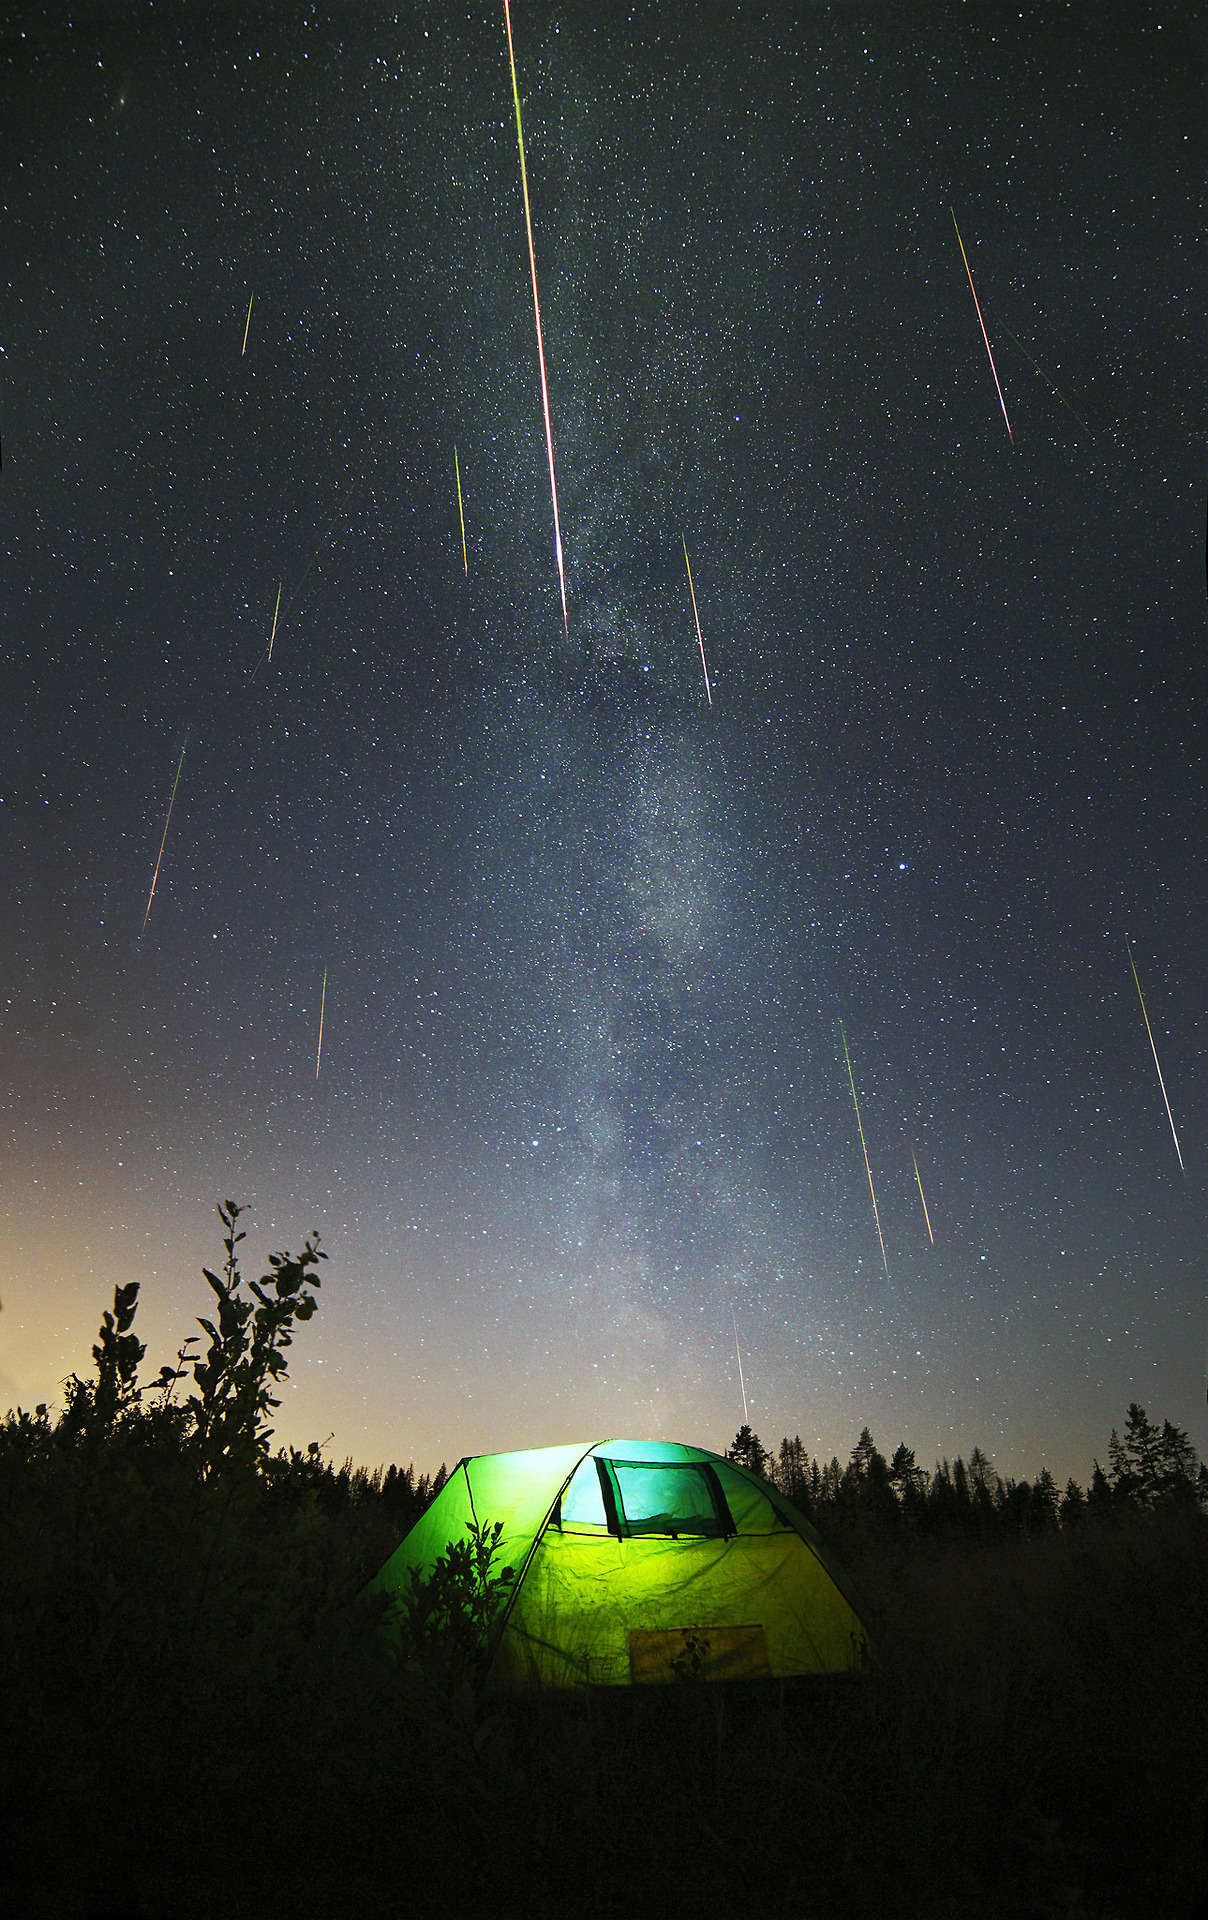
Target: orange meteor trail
<point>1141,997</point>
<point>868,1170</point>
<point>322,1010</point>
<point>528,223</point>
<point>692,591</point>
<point>155,876</point>
<point>923,1198</point>
<point>276,610</point>
<point>247,324</point>
<point>985,336</point>
<point>460,514</point>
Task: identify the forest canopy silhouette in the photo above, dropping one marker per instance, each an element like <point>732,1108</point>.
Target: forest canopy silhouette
<point>197,1694</point>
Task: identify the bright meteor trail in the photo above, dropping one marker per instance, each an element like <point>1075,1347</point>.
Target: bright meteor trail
<point>1044,376</point>
<point>171,803</point>
<point>923,1198</point>
<point>247,324</point>
<point>1141,997</point>
<point>461,515</point>
<point>276,610</point>
<point>528,223</point>
<point>322,1011</point>
<point>868,1170</point>
<point>699,635</point>
<point>981,323</point>
<point>746,1412</point>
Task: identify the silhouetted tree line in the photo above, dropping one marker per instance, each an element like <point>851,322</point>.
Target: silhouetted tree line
<point>199,1711</point>
<point>396,1496</point>
<point>1150,1467</point>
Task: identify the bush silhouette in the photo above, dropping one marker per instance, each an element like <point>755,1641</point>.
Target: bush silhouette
<point>193,1688</point>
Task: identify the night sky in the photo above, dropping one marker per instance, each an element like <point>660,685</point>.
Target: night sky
<point>588,941</point>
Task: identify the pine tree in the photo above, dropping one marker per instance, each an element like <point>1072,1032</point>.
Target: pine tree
<point>1073,1504</point>
<point>1042,1503</point>
<point>1014,1502</point>
<point>791,1473</point>
<point>747,1450</point>
<point>1151,1464</point>
<point>909,1483</point>
<point>1178,1462</point>
<point>963,1509</point>
<point>983,1487</point>
<point>868,1494</point>
<point>1100,1498</point>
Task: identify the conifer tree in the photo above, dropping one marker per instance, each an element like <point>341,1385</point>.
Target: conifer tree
<point>1073,1504</point>
<point>1151,1463</point>
<point>1042,1503</point>
<point>747,1450</point>
<point>909,1482</point>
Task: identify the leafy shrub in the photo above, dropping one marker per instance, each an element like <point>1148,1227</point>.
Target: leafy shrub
<point>193,1688</point>
<point>449,1615</point>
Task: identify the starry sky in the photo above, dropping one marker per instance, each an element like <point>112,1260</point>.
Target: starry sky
<point>590,944</point>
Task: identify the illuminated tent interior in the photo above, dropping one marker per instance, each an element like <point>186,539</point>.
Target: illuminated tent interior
<point>641,1561</point>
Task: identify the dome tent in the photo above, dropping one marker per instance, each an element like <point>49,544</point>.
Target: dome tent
<point>641,1561</point>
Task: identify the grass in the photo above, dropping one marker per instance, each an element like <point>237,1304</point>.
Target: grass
<point>200,1714</point>
<point>1029,1743</point>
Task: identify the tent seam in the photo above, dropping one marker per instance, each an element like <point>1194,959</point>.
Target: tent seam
<point>506,1615</point>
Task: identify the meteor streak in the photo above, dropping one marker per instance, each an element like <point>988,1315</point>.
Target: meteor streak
<point>1141,997</point>
<point>700,638</point>
<point>460,514</point>
<point>746,1417</point>
<point>155,876</point>
<point>528,223</point>
<point>322,1011</point>
<point>985,336</point>
<point>276,610</point>
<point>247,324</point>
<point>923,1198</point>
<point>1044,376</point>
<point>868,1170</point>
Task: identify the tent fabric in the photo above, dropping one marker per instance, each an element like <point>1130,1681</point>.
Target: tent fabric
<point>637,1562</point>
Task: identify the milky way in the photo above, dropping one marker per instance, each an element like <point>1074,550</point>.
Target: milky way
<point>583,947</point>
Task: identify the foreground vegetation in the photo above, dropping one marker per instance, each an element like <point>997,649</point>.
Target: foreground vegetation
<point>199,1712</point>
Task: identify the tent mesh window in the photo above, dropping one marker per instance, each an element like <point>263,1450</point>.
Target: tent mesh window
<point>581,1508</point>
<point>662,1499</point>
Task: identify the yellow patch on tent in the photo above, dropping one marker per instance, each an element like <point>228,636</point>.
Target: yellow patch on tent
<point>697,1653</point>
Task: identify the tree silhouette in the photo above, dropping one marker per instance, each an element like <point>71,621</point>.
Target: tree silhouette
<point>1151,1464</point>
<point>747,1450</point>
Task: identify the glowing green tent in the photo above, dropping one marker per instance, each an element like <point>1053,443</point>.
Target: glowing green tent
<point>640,1561</point>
